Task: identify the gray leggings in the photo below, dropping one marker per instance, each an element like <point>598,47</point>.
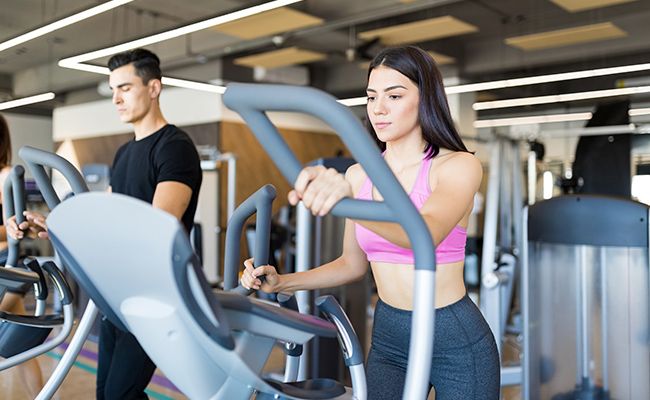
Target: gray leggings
<point>465,358</point>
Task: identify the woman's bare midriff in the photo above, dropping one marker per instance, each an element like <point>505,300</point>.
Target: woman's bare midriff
<point>395,284</point>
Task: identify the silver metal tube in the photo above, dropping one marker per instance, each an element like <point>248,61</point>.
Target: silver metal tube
<point>66,362</point>
<point>532,177</point>
<point>578,318</point>
<point>525,310</point>
<point>303,263</point>
<point>291,367</point>
<point>511,376</point>
<point>584,311</point>
<point>419,368</point>
<point>43,347</point>
<point>232,183</point>
<point>40,307</point>
<point>604,313</point>
<point>490,297</point>
<point>492,208</point>
<point>359,386</point>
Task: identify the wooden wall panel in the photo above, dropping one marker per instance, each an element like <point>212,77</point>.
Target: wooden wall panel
<point>255,168</point>
<point>102,149</point>
<point>99,150</point>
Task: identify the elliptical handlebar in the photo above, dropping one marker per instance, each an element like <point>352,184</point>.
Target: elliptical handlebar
<point>13,202</point>
<point>260,202</point>
<point>252,101</point>
<point>37,160</point>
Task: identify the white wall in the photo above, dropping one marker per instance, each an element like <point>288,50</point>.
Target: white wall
<point>179,106</point>
<point>27,130</point>
<point>99,118</point>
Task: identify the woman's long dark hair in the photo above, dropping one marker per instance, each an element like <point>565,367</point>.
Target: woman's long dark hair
<point>438,128</point>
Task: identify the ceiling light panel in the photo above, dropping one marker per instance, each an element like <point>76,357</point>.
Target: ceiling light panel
<point>442,59</point>
<point>280,58</point>
<point>429,29</point>
<point>268,23</point>
<point>582,5</point>
<point>566,37</point>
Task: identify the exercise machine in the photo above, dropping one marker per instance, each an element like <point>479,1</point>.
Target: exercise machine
<point>166,302</point>
<point>23,337</point>
<point>585,295</point>
<point>38,161</point>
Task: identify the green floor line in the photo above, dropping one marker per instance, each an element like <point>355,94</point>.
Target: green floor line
<point>76,363</point>
<point>88,368</point>
<point>157,395</point>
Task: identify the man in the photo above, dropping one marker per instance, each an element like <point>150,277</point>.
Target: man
<point>160,166</point>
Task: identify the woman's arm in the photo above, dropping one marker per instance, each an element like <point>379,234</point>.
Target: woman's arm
<point>349,267</point>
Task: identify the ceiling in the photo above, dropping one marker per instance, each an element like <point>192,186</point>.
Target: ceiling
<point>328,42</point>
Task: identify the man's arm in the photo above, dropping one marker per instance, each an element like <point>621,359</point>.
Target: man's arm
<point>173,197</point>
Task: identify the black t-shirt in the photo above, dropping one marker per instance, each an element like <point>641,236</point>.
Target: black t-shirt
<point>167,155</point>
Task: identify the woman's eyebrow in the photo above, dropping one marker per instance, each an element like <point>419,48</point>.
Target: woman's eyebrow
<point>388,89</point>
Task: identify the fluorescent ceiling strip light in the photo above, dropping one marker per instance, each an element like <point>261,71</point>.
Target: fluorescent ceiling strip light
<point>542,119</point>
<point>76,61</point>
<point>62,23</point>
<point>638,111</point>
<point>533,80</point>
<point>27,100</point>
<point>183,83</point>
<point>205,87</point>
<point>354,101</point>
<point>559,98</point>
<point>184,30</point>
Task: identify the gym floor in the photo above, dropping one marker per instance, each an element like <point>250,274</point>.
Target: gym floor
<point>80,382</point>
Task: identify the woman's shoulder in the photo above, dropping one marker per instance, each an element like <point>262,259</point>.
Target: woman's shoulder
<point>465,161</point>
<point>355,175</point>
<point>457,166</point>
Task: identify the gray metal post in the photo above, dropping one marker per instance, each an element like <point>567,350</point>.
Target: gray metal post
<point>304,222</point>
<point>525,309</point>
<point>532,177</point>
<point>489,282</point>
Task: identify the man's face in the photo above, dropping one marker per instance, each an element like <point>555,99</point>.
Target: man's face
<point>132,98</point>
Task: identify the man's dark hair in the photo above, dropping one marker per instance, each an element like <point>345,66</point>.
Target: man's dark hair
<point>146,63</point>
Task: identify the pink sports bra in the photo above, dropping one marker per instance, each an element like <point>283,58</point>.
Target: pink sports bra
<point>452,249</point>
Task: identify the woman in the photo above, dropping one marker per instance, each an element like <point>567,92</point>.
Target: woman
<point>408,113</point>
<point>12,302</point>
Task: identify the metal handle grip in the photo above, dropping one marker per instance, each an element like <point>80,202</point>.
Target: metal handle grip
<point>351,347</point>
<point>66,295</point>
<point>13,201</point>
<point>260,202</point>
<point>37,160</point>
<point>40,289</point>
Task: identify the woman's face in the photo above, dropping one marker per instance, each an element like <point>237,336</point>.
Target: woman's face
<point>393,105</point>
